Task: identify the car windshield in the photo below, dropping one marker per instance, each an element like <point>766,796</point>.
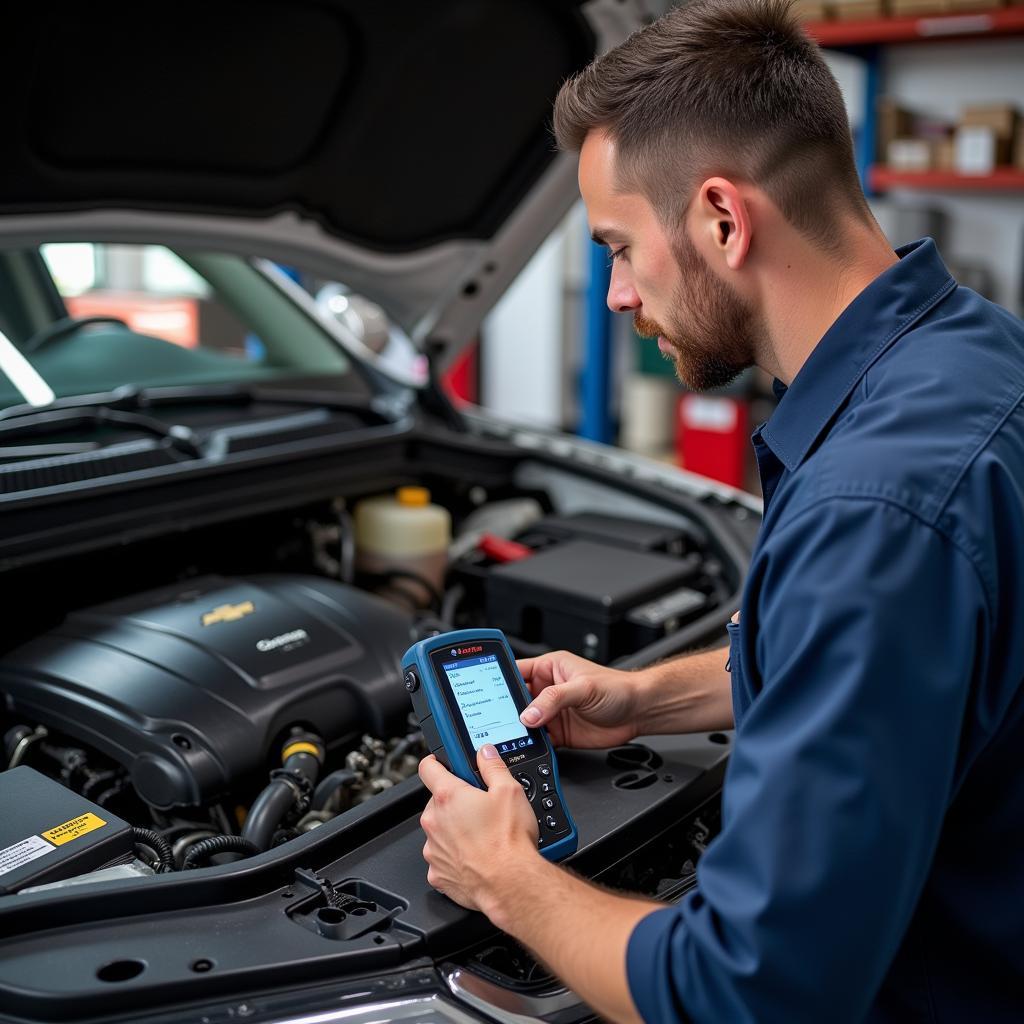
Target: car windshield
<point>88,317</point>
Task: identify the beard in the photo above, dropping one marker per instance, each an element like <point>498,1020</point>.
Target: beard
<point>721,333</point>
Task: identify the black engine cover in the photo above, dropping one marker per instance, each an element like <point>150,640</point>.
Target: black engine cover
<point>190,687</point>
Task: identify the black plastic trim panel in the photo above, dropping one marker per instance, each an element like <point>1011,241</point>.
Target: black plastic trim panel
<point>53,944</point>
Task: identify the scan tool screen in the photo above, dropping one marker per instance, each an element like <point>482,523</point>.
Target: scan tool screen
<point>485,702</point>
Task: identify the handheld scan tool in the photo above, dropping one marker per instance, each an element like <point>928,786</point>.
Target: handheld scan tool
<point>467,691</point>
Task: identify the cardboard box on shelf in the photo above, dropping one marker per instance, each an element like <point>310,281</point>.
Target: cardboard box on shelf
<point>856,10</point>
<point>909,155</point>
<point>911,8</point>
<point>811,10</point>
<point>979,150</point>
<point>1002,118</point>
<point>894,122</point>
<point>973,5</point>
<point>944,154</point>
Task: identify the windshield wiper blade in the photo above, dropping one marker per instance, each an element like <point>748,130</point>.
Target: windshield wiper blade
<point>130,398</point>
<point>41,422</point>
<point>128,408</point>
<point>276,392</point>
<point>50,450</point>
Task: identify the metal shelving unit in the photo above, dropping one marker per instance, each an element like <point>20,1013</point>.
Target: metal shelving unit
<point>1001,21</point>
<point>867,39</point>
<point>1002,179</point>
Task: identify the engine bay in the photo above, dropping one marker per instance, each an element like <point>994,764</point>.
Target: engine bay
<point>254,693</point>
<point>217,682</point>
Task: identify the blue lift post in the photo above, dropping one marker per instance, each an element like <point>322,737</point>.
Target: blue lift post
<point>596,376</point>
<point>867,140</point>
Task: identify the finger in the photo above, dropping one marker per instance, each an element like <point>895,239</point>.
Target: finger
<point>493,769</point>
<point>536,672</point>
<point>553,699</point>
<point>527,666</point>
<point>434,775</point>
<point>543,670</point>
<point>427,817</point>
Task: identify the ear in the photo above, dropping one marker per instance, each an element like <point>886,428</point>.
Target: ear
<point>724,222</point>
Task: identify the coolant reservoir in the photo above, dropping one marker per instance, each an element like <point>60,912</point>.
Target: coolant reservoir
<point>404,538</point>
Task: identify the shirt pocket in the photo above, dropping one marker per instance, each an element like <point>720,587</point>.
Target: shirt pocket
<point>740,687</point>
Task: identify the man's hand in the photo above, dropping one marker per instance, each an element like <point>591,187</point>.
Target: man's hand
<point>476,838</point>
<point>481,851</point>
<point>582,704</point>
<point>587,705</point>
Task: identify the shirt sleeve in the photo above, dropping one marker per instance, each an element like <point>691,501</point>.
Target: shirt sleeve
<point>870,626</point>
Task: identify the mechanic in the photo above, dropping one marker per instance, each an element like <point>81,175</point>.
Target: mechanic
<point>871,858</point>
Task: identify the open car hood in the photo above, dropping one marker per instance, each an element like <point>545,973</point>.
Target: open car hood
<point>400,147</point>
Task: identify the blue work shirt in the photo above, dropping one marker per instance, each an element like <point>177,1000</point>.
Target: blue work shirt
<point>871,858</point>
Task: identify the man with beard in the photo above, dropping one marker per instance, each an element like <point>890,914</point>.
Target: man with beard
<point>871,858</point>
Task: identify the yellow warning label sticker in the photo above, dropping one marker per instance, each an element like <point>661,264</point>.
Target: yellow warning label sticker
<point>74,828</point>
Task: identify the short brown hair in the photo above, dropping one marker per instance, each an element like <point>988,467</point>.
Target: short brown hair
<point>730,87</point>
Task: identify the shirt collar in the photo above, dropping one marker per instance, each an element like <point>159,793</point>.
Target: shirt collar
<point>875,320</point>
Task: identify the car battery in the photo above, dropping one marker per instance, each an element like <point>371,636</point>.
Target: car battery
<point>49,833</point>
<point>636,534</point>
<point>600,600</point>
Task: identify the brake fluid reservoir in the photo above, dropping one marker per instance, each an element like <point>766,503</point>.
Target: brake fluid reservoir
<point>401,534</point>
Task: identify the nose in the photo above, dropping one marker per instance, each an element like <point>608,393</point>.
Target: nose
<point>622,296</point>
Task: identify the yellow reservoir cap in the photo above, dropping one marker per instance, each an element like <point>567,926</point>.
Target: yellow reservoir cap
<point>301,747</point>
<point>413,496</point>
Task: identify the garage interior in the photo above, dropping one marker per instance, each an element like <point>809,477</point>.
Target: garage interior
<point>259,437</point>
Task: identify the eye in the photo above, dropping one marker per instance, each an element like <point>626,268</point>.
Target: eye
<point>615,254</point>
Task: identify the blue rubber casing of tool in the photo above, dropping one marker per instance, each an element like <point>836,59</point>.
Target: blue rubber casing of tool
<point>530,757</point>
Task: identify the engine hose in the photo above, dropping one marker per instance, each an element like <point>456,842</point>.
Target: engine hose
<point>399,751</point>
<point>330,784</point>
<point>182,843</point>
<point>290,789</point>
<point>93,782</point>
<point>206,848</point>
<point>450,603</point>
<point>109,793</point>
<point>157,844</point>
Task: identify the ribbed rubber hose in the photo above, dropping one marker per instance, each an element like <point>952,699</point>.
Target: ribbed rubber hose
<point>274,804</point>
<point>155,842</point>
<point>207,848</point>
